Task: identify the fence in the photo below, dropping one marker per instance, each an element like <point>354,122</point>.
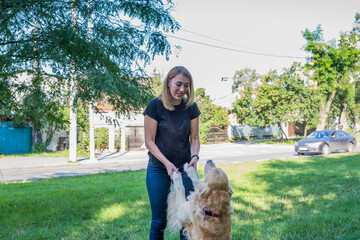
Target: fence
<point>135,137</point>
<point>243,131</point>
<point>15,139</point>
<point>216,135</point>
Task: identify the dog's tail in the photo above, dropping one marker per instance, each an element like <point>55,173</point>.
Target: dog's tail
<point>172,216</point>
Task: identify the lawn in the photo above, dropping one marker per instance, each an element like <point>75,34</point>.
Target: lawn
<point>302,198</point>
<point>64,153</point>
<point>289,141</point>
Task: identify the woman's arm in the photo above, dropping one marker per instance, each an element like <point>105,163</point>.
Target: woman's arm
<point>194,141</point>
<point>150,127</point>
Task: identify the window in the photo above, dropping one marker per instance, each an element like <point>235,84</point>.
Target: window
<point>342,134</point>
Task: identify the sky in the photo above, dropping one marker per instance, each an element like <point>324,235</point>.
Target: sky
<point>252,30</point>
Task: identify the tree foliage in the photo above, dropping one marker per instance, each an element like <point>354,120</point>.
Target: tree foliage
<point>244,106</point>
<point>280,98</point>
<point>156,83</point>
<point>211,115</point>
<point>273,104</point>
<point>245,78</point>
<point>332,65</point>
<point>108,47</point>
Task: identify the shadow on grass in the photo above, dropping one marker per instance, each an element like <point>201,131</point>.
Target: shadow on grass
<point>102,206</point>
<point>305,198</point>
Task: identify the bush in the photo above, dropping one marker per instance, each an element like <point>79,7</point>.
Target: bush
<point>101,138</point>
<point>83,141</point>
<point>39,147</point>
<point>204,129</point>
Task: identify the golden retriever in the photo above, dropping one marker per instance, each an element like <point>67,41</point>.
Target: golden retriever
<point>206,214</point>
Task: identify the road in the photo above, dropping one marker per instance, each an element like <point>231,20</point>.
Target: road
<point>27,169</point>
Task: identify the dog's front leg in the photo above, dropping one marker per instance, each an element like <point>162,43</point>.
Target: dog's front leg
<point>192,173</point>
<point>184,209</point>
<point>179,189</point>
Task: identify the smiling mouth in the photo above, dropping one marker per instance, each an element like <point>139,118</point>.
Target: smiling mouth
<point>179,95</point>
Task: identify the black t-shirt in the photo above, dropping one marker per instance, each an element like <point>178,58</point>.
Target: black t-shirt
<point>173,131</point>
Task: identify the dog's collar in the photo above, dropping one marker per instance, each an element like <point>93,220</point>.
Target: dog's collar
<point>209,213</point>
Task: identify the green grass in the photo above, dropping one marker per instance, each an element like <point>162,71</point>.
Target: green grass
<point>64,153</point>
<point>302,198</point>
<point>289,141</point>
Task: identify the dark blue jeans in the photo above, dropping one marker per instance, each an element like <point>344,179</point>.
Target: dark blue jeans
<point>158,185</point>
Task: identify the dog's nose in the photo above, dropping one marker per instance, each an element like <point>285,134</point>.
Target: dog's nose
<point>210,163</point>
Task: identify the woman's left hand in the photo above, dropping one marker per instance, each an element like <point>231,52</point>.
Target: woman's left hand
<point>193,162</point>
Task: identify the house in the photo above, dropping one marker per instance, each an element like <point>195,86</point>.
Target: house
<point>131,125</point>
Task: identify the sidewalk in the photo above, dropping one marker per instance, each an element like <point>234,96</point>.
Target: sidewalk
<point>101,158</point>
<point>35,168</point>
<point>131,157</point>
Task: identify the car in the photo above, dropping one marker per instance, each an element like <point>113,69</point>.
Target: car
<point>325,142</point>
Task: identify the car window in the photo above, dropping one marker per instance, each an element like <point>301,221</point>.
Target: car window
<point>318,134</point>
<point>312,135</point>
<point>342,134</point>
<point>334,135</point>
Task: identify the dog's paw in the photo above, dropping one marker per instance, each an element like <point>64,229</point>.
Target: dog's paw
<point>191,172</point>
<point>177,179</point>
<point>186,166</point>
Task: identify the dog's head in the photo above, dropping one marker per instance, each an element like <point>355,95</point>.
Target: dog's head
<point>216,195</point>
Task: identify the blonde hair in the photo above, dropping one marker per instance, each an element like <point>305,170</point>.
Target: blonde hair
<point>165,94</point>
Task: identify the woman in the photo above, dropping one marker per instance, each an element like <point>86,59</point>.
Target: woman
<point>172,138</point>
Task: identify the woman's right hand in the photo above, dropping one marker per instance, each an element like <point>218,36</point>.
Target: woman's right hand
<point>171,169</point>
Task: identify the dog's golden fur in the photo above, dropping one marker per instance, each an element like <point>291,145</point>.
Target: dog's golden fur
<point>213,195</point>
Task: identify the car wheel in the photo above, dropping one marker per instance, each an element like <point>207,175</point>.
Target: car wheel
<point>350,147</point>
<point>325,150</point>
<point>300,153</point>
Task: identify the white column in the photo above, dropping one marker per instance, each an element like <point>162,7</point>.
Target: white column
<point>91,133</point>
<point>123,139</point>
<point>73,117</point>
<point>111,139</point>
<point>73,125</point>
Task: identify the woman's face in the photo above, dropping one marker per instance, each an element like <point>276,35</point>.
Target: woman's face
<point>178,86</point>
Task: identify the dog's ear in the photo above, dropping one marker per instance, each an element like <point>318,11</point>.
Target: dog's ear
<point>219,202</point>
<point>230,189</point>
<point>205,192</point>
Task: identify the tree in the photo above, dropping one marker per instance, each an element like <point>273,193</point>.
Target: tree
<point>280,98</point>
<point>125,36</point>
<point>156,84</point>
<point>273,104</point>
<point>245,78</point>
<point>7,100</point>
<point>211,115</point>
<point>303,96</point>
<point>205,105</point>
<point>244,106</point>
<point>331,65</point>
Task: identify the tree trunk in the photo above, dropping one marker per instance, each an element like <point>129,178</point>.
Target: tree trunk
<point>342,116</point>
<point>305,129</point>
<point>36,56</point>
<point>323,112</point>
<point>50,130</point>
<point>37,136</point>
<point>282,133</point>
